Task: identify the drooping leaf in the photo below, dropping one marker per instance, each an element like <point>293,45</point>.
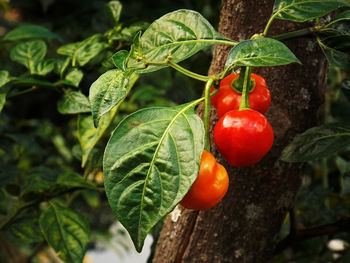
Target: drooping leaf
<point>303,10</point>
<point>28,32</point>
<point>88,135</point>
<point>335,57</point>
<point>109,90</point>
<point>66,232</point>
<point>74,180</point>
<point>74,76</point>
<point>24,229</point>
<point>181,33</point>
<point>259,53</point>
<point>150,162</point>
<point>29,53</point>
<point>115,9</point>
<point>73,102</point>
<point>317,142</point>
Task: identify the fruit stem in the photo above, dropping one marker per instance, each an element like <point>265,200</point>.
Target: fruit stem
<point>206,115</point>
<point>245,74</point>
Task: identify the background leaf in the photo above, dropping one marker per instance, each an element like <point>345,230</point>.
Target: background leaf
<point>108,90</point>
<point>29,53</point>
<point>28,32</point>
<point>71,179</point>
<point>317,142</point>
<point>181,33</point>
<point>66,231</point>
<point>73,102</point>
<point>4,79</point>
<point>259,53</point>
<point>150,162</point>
<point>115,9</point>
<point>303,10</point>
<point>74,76</point>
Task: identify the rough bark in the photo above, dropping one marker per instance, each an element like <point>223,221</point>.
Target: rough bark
<point>244,226</point>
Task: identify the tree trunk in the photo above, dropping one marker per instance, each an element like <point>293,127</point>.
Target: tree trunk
<point>244,226</point>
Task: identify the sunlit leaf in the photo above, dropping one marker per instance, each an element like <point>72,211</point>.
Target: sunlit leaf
<point>74,76</point>
<point>181,34</point>
<point>150,162</point>
<point>73,102</point>
<point>115,8</point>
<point>108,91</point>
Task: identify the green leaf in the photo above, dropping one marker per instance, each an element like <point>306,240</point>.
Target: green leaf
<point>74,76</point>
<point>24,229</point>
<point>88,135</point>
<point>335,57</point>
<point>44,67</point>
<point>73,102</point>
<point>39,179</point>
<point>303,10</point>
<point>109,90</point>
<point>29,53</point>
<point>66,232</point>
<point>74,180</point>
<point>120,58</point>
<point>260,52</point>
<point>28,32</point>
<point>318,142</point>
<point>83,52</point>
<point>115,9</point>
<point>150,162</point>
<point>33,82</point>
<point>127,34</point>
<point>4,79</point>
<point>181,33</point>
<point>61,65</point>
<point>7,173</point>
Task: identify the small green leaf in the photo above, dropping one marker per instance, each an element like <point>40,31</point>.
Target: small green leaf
<point>66,232</point>
<point>119,59</point>
<point>303,10</point>
<point>181,34</point>
<point>109,90</point>
<point>74,180</point>
<point>74,76</point>
<point>150,162</point>
<point>115,8</point>
<point>83,52</point>
<point>88,135</point>
<point>73,102</point>
<point>29,53</point>
<point>4,79</point>
<point>260,52</point>
<point>127,34</point>
<point>24,229</point>
<point>28,32</point>
<point>44,67</point>
<point>318,142</point>
<point>61,65</point>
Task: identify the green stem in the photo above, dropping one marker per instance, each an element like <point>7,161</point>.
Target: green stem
<point>23,92</point>
<point>188,72</point>
<point>245,91</point>
<point>297,33</point>
<point>269,24</point>
<point>206,115</point>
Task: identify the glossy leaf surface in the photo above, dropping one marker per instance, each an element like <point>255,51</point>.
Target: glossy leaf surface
<point>259,53</point>
<point>150,162</point>
<point>303,10</point>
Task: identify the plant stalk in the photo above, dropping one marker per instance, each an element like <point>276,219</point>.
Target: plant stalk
<point>245,91</point>
<point>206,115</point>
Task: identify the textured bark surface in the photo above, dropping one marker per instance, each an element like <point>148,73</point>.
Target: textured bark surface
<point>243,227</point>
